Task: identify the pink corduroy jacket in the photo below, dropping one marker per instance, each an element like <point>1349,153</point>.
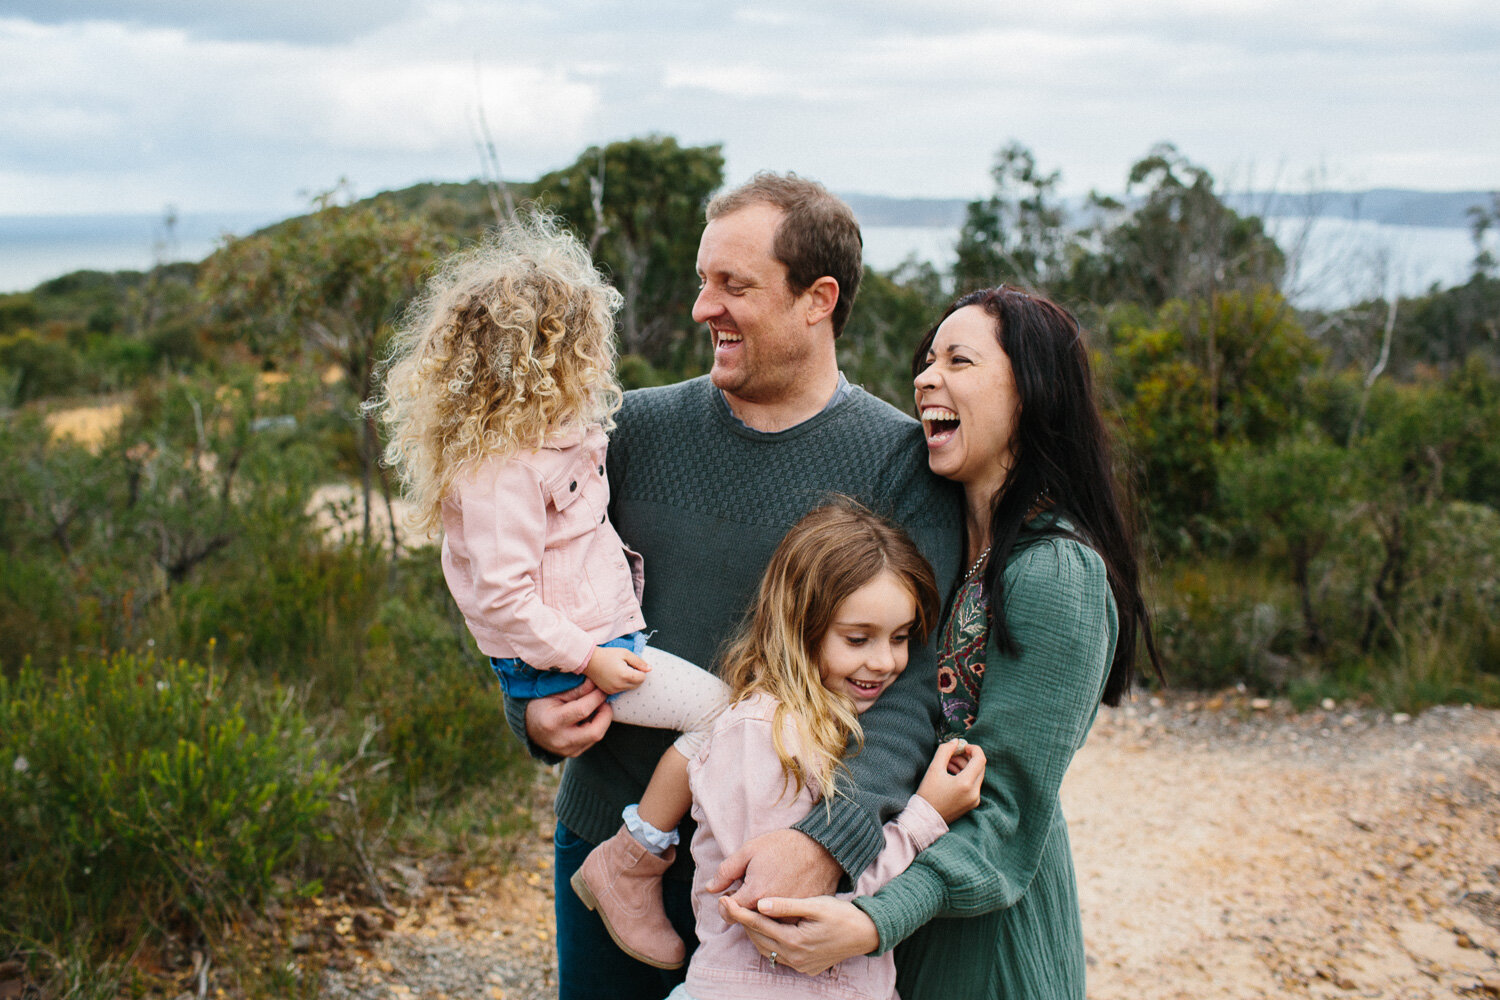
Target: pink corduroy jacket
<point>532,560</point>
<point>737,795</point>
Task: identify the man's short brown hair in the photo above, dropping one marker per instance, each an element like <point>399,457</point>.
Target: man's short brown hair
<point>818,234</point>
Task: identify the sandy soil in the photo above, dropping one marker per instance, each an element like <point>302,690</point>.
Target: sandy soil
<point>1228,852</point>
<point>1223,851</point>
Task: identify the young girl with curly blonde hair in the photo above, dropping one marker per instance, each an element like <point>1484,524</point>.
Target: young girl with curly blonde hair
<point>498,397</point>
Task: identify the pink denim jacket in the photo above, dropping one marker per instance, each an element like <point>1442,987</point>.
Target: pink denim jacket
<point>532,560</point>
<point>738,794</point>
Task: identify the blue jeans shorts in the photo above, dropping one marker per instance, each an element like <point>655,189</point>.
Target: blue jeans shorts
<point>520,680</point>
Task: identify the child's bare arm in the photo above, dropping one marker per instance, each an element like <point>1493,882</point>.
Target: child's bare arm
<point>954,779</point>
<point>614,670</point>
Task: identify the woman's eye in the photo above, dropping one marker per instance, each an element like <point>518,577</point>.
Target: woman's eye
<point>900,639</point>
<point>856,640</point>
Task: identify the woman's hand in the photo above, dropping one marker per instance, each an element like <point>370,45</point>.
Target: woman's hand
<point>809,935</point>
<point>954,779</point>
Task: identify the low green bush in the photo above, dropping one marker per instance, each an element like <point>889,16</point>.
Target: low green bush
<point>434,700</point>
<point>136,796</point>
<point>1218,627</point>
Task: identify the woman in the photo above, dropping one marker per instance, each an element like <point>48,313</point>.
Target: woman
<point>1042,628</point>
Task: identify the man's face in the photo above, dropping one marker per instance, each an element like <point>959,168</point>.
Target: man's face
<point>762,343</point>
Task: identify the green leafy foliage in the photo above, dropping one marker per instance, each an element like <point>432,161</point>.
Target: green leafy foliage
<point>895,308</point>
<point>1017,234</point>
<point>327,286</point>
<point>136,794</point>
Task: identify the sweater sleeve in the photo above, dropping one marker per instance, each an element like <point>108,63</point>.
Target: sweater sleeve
<point>899,739</point>
<point>1034,712</point>
<point>515,718</point>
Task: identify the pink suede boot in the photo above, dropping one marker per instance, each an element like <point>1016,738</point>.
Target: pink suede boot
<point>621,880</point>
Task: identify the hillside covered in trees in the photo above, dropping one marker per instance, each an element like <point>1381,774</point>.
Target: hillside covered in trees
<point>224,705</point>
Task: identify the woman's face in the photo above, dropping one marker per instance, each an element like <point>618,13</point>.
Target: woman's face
<point>968,403</point>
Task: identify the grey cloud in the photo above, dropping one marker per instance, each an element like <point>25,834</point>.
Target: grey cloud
<point>297,21</point>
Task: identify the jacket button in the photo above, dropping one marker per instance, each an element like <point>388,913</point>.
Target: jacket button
<point>602,517</point>
<point>601,470</point>
<point>573,486</point>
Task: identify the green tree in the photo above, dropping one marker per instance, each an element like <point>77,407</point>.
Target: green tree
<point>1174,239</point>
<point>1252,353</point>
<point>1426,447</point>
<point>639,204</point>
<point>1015,235</point>
<point>1448,325</point>
<point>38,366</point>
<point>1290,501</point>
<point>328,286</point>
<point>1483,219</point>
<point>1206,375</point>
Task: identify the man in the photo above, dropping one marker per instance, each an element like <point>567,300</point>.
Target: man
<point>706,476</point>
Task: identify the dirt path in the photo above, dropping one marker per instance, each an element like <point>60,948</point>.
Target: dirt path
<point>1223,851</point>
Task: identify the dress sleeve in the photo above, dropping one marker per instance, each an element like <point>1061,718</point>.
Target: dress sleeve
<point>1035,710</point>
<point>505,544</point>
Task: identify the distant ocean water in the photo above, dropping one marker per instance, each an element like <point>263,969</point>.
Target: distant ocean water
<point>36,248</point>
<point>1334,261</point>
<point>1339,260</point>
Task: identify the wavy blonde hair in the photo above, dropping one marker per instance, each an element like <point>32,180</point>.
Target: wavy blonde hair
<point>828,555</point>
<point>511,343</point>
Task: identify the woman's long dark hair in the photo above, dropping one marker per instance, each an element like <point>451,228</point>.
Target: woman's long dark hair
<point>1062,456</point>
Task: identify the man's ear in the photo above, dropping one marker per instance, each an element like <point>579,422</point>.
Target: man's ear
<point>822,295</point>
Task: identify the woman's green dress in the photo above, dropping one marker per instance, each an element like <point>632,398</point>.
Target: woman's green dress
<point>991,909</point>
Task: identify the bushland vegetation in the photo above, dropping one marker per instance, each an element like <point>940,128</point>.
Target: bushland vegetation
<point>212,704</point>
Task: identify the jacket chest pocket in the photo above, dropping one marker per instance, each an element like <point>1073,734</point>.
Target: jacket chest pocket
<point>576,509</point>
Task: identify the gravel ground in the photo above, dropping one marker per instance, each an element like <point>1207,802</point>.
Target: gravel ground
<point>1226,848</point>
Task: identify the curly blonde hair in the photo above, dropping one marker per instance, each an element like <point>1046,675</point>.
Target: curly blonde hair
<point>830,553</point>
<point>511,343</point>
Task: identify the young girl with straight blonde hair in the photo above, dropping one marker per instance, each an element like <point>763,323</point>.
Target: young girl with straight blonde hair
<point>845,595</point>
<point>498,396</point>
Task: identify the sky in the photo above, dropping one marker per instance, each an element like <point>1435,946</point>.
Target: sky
<point>141,105</point>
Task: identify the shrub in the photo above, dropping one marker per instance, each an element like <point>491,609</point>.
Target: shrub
<point>40,366</point>
<point>135,795</point>
<point>436,703</point>
<point>1220,627</point>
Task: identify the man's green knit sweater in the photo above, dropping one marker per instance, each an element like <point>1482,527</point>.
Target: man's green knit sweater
<point>706,500</point>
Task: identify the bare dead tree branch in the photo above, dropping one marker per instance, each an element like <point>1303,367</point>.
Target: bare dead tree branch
<point>1392,303</point>
<point>501,202</point>
<point>596,199</point>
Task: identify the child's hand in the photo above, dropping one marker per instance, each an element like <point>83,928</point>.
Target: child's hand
<point>614,670</point>
<point>954,779</point>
